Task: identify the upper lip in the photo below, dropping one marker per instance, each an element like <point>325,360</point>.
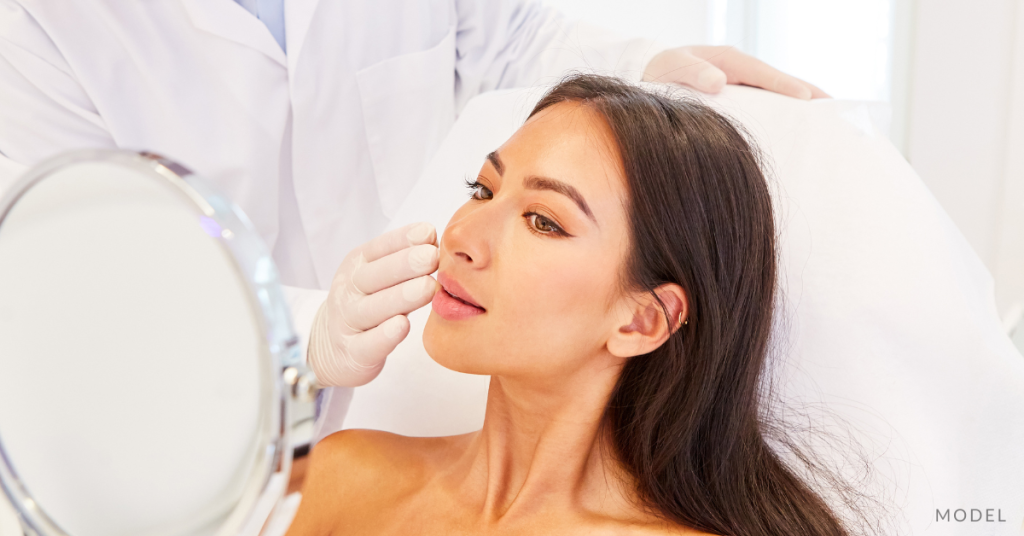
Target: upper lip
<point>453,287</point>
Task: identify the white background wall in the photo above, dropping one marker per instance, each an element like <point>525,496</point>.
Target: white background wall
<point>1009,247</point>
<point>959,123</point>
<point>841,46</point>
<point>673,22</point>
<point>952,70</point>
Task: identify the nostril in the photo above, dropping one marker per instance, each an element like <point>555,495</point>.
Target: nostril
<point>465,255</point>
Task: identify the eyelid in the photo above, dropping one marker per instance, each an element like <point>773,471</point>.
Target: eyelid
<point>559,230</point>
<point>475,186</point>
<point>482,178</point>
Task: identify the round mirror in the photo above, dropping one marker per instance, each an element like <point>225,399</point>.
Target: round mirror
<point>148,357</point>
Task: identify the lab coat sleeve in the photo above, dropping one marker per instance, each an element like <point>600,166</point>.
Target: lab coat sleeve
<point>43,108</point>
<point>516,43</point>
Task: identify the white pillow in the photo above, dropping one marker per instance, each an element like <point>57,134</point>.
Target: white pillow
<point>890,323</point>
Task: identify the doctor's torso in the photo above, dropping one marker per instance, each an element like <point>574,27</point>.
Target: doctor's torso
<point>346,119</point>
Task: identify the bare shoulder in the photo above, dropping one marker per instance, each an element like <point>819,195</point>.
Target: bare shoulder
<point>646,523</point>
<point>668,530</point>
<point>659,529</point>
<point>685,531</point>
<point>369,455</point>
<point>354,472</point>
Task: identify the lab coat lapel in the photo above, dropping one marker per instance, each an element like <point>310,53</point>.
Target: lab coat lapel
<point>297,16</point>
<point>333,178</point>
<point>226,19</point>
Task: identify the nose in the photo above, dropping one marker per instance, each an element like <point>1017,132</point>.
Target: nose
<point>465,239</point>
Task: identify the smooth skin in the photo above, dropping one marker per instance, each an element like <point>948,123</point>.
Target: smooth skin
<point>556,332</point>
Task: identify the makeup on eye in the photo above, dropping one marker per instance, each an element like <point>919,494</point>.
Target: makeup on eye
<point>537,223</point>
<point>480,192</point>
<point>532,218</point>
<point>535,182</point>
<point>475,187</point>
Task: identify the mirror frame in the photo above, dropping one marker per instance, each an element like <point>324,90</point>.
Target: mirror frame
<point>289,378</point>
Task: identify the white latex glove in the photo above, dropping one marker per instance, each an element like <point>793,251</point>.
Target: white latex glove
<point>709,68</point>
<point>363,318</point>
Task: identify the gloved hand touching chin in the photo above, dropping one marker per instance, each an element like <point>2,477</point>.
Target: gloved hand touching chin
<point>363,318</point>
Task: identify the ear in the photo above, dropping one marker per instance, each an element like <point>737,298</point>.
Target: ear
<point>645,327</point>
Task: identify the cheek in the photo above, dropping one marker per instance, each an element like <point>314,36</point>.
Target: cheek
<point>547,314</point>
<point>557,303</point>
<point>549,308</point>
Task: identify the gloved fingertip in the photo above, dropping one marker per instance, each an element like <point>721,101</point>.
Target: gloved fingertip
<point>423,258</point>
<point>420,233</point>
<point>394,328</point>
<point>419,289</point>
<point>711,80</point>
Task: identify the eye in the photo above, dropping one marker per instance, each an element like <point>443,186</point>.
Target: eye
<point>480,192</point>
<point>541,225</point>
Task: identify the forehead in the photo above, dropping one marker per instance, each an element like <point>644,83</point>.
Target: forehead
<point>570,142</point>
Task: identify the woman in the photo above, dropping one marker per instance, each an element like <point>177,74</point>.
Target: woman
<point>615,274</point>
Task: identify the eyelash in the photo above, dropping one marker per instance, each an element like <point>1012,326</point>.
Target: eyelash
<point>556,230</point>
<point>475,187</point>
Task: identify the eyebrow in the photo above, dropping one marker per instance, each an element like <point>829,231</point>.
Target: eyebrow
<point>545,183</point>
<point>495,161</point>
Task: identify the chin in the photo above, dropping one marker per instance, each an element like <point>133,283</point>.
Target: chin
<point>453,349</point>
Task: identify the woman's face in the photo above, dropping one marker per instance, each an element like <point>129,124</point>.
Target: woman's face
<point>539,249</point>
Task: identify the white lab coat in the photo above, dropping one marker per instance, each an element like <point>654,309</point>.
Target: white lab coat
<point>318,147</point>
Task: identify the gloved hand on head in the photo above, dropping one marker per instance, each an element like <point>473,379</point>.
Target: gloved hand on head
<point>363,318</point>
<point>710,68</point>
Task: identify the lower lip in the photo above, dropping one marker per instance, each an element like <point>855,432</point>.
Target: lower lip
<point>451,309</point>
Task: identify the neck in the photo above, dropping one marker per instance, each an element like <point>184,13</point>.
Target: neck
<point>543,446</point>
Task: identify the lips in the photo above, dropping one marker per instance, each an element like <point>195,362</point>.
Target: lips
<point>455,290</point>
<point>453,302</point>
<point>467,302</point>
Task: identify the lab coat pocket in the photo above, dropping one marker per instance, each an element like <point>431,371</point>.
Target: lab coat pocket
<point>408,104</point>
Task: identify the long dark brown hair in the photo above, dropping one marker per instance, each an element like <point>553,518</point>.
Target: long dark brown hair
<point>687,420</point>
